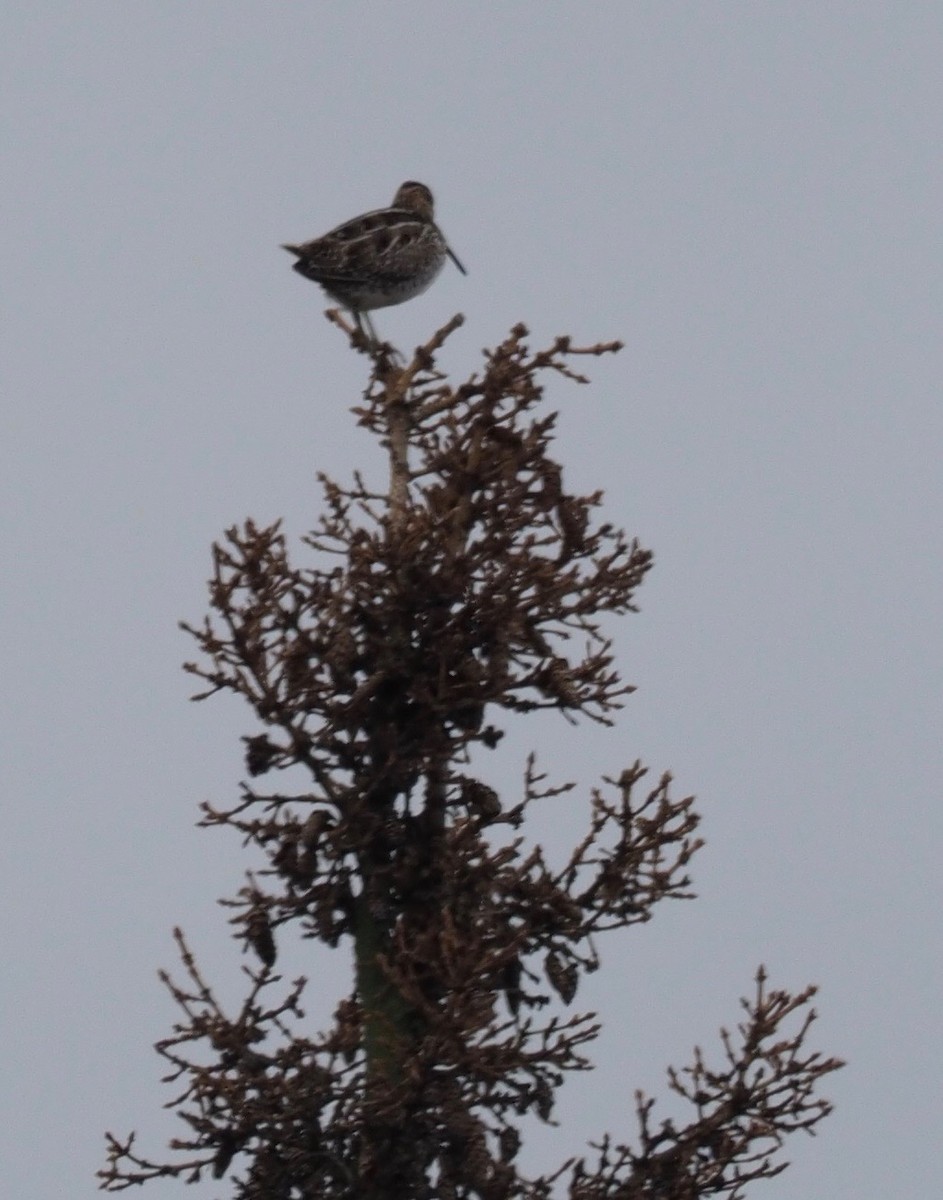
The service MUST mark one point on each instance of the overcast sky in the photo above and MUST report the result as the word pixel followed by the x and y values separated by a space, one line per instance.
pixel 749 195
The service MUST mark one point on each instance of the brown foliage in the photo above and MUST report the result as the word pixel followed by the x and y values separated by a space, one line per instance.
pixel 475 586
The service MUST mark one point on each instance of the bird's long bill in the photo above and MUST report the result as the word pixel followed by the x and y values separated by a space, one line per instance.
pixel 454 257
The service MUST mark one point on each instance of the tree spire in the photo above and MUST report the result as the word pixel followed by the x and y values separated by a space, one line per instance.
pixel 386 665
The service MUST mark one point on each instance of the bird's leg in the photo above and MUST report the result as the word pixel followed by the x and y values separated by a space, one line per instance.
pixel 367 329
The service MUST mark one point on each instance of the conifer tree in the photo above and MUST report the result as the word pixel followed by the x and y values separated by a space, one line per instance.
pixel 384 658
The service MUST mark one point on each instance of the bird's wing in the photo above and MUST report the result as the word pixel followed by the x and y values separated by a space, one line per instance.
pixel 363 247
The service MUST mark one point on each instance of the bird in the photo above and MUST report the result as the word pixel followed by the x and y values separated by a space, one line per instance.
pixel 380 258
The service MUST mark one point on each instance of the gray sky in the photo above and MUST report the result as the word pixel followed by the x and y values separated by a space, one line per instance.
pixel 749 195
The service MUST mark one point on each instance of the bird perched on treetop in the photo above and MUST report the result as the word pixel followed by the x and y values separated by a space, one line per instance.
pixel 380 258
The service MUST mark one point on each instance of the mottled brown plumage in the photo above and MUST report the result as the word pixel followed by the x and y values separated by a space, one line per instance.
pixel 378 259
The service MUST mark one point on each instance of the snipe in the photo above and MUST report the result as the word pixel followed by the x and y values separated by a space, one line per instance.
pixel 381 258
